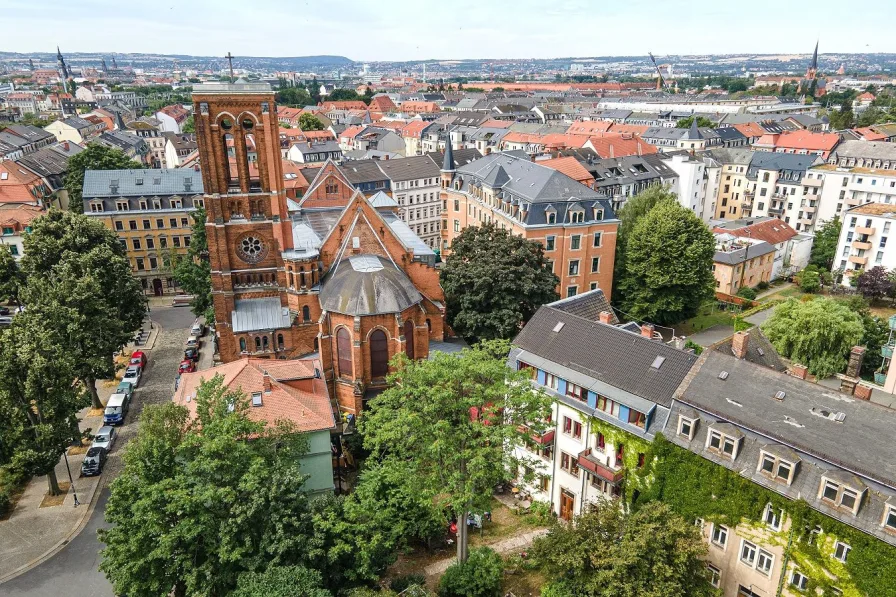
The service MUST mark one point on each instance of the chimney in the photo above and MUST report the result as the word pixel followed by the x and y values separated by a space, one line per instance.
pixel 647 330
pixel 739 344
pixel 863 392
pixel 605 317
pixel 266 382
pixel 612 152
pixel 799 371
pixel 856 356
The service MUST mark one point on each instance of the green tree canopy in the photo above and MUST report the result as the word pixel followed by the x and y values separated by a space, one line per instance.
pixel 450 424
pixel 281 581
pixel 629 214
pixel 494 282
pixel 95 157
pixel 668 270
pixel 609 552
pixel 294 96
pixel 193 271
pixel 824 247
pixel 817 333
pixel 189 125
pixel 11 278
pixel 75 265
pixel 702 122
pixel 202 502
pixel 343 95
pixel 310 122
pixel 842 118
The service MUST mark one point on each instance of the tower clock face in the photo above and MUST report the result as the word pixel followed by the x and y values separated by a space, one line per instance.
pixel 251 249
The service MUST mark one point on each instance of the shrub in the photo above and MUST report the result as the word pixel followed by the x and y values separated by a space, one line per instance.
pixel 401 583
pixel 747 293
pixel 4 502
pixel 762 286
pixel 479 576
pixel 690 344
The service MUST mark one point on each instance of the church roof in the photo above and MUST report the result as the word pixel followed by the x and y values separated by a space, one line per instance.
pixel 367 285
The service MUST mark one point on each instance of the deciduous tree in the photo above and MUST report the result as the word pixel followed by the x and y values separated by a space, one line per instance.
pixel 450 425
pixel 281 581
pixel 494 282
pixel 875 283
pixel 817 333
pixel 702 122
pixel 296 97
pixel 668 270
pixel 11 278
pixel 310 122
pixel 193 271
pixel 824 247
pixel 95 157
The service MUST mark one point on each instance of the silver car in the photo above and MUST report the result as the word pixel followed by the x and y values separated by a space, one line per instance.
pixel 133 374
pixel 104 438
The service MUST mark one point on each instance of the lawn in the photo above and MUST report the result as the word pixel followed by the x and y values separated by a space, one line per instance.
pixel 708 315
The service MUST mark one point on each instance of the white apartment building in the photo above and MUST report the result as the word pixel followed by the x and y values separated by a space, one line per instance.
pixel 776 188
pixel 691 184
pixel 415 186
pixel 842 188
pixel 865 239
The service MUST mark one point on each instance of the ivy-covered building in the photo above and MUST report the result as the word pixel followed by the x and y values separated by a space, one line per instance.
pixel 792 483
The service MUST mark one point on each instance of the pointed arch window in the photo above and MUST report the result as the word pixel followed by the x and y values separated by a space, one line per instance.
pixel 344 352
pixel 379 354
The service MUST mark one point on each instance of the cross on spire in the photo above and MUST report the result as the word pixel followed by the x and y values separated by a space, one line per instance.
pixel 230 61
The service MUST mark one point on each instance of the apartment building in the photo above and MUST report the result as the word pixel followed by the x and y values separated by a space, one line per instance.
pixel 864 239
pixel 731 200
pixel 619 179
pixel 575 224
pixel 792 249
pixel 842 188
pixel 150 211
pixel 776 188
pixel 740 262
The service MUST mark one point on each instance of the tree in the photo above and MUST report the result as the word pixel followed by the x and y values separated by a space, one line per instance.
pixel 189 125
pixel 844 118
pixel 343 95
pixel 202 502
pixel 450 424
pixel 310 122
pixel 293 96
pixel 479 576
pixel 809 279
pixel 610 552
pixel 702 122
pixel 668 270
pixel 75 265
pixel 193 271
pixel 498 90
pixel 824 247
pixel 875 283
pixel 817 333
pixel 95 157
pixel 11 278
pixel 281 581
pixel 494 282
pixel 877 333
pixel 629 215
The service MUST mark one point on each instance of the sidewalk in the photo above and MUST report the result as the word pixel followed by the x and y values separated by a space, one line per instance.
pixel 503 546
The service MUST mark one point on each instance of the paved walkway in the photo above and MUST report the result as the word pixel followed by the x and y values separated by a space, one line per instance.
pixel 774 290
pixel 713 334
pixel 503 546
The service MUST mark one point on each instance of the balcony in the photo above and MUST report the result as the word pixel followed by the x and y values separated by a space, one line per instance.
pixel 864 230
pixel 809 209
pixel 858 260
pixel 858 244
pixel 596 466
pixel 880 378
pixel 886 351
pixel 545 439
pixel 812 182
pixel 776 210
pixel 893 322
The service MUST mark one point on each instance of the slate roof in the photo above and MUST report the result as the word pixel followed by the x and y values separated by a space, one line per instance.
pixel 741 253
pixel 361 171
pixel 367 285
pixel 410 168
pixel 142 183
pixel 462 157
pixel 866 149
pixel 606 353
pixel 250 315
pixel 793 165
pixel 587 305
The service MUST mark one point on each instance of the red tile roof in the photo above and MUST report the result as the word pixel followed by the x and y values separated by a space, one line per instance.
pixel 772 231
pixel 750 129
pixel 571 167
pixel 588 127
pixel 383 103
pixel 496 124
pixel 18 185
pixel 418 107
pixel 804 139
pixel 17 216
pixel 618 145
pixel 346 105
pixel 178 113
pixel 414 128
pixel 869 134
pixel 352 131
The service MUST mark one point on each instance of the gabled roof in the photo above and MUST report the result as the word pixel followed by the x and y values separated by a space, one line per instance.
pixel 771 230
pixel 569 166
pixel 142 183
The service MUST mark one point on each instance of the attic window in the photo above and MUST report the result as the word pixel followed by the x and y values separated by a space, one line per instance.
pixel 139 181
pixel 559 326
pixel 256 398
pixel 723 375
pixel 779 395
pixel 658 362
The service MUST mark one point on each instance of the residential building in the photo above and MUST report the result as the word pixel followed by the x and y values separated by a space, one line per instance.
pixel 172 118
pixel 133 146
pixel 792 249
pixel 864 239
pixel 15 224
pixel 802 142
pixel 153 138
pixel 575 460
pixel 864 154
pixel 74 129
pixel 292 391
pixel 21 186
pixel 571 167
pixel 741 262
pixel 842 188
pixel 25 138
pixel 178 148
pixel 24 102
pixel 690 185
pixel 776 188
pixel 693 139
pixel 732 199
pixel 51 165
pixel 619 179
pixel 150 211
pixel 318 152
pixel 575 224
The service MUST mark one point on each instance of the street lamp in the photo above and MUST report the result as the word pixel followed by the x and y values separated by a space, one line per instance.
pixel 70 479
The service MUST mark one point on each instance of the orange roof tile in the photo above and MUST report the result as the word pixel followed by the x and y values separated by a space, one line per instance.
pixel 571 167
pixel 634 129
pixel 496 124
pixel 587 127
pixel 414 128
pixel 869 134
pixel 617 146
pixel 326 106
pixel 418 107
pixel 771 231
pixel 750 129
pixel 18 216
pixel 804 139
pixel 352 131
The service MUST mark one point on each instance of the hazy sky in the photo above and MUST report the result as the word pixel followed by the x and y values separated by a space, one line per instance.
pixel 424 29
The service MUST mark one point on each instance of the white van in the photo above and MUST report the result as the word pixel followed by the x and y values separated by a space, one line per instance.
pixel 198 329
pixel 116 408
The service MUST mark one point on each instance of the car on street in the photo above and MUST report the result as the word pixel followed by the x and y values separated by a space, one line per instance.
pixel 192 342
pixel 93 463
pixel 198 329
pixel 125 387
pixel 105 438
pixel 138 357
pixel 133 374
pixel 191 354
pixel 116 409
pixel 187 366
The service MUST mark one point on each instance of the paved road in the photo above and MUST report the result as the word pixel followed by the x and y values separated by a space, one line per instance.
pixel 73 571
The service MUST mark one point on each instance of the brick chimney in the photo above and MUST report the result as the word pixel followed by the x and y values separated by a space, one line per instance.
pixel 856 356
pixel 863 392
pixel 739 344
pixel 799 371
pixel 266 382
pixel 647 330
pixel 606 317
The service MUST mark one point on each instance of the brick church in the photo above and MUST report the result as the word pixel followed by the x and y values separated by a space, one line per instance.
pixel 336 273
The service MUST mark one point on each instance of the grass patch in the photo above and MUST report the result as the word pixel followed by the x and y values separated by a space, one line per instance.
pixel 523 583
pixel 75 450
pixel 708 315
pixel 50 501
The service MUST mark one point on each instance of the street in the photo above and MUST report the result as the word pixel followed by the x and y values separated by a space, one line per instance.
pixel 73 570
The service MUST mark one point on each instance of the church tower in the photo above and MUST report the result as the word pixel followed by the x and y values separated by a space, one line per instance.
pixel 248 225
pixel 812 71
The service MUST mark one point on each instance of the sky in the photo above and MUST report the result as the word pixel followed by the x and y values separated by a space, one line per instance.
pixel 424 29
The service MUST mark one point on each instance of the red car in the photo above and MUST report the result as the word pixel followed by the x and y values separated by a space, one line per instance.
pixel 138 357
pixel 187 366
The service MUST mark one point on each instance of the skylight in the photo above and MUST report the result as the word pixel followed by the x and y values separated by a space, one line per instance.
pixel 559 326
pixel 256 398
pixel 658 362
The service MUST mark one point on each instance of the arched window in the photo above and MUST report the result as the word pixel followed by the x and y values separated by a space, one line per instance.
pixel 257 344
pixel 264 342
pixel 428 326
pixel 409 338
pixel 242 345
pixel 280 341
pixel 292 281
pixel 344 352
pixel 379 354
pixel 306 313
pixel 316 344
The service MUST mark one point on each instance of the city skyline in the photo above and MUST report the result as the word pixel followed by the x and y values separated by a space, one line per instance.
pixel 461 30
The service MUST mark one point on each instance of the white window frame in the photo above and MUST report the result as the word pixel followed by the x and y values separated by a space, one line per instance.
pixel 798 580
pixel 841 491
pixel 775 474
pixel 723 439
pixel 723 532
pixel 766 556
pixel 776 516
pixel 753 550
pixel 682 421
pixel 845 548
pixel 714 576
pixel 889 509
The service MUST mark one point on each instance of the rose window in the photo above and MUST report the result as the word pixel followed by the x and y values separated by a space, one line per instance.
pixel 251 249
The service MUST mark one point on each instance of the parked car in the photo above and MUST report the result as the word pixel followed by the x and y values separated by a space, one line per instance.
pixel 191 354
pixel 192 342
pixel 125 387
pixel 198 329
pixel 133 374
pixel 94 462
pixel 116 409
pixel 138 357
pixel 104 438
pixel 187 366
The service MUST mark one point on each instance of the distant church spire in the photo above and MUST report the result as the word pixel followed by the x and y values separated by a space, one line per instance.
pixel 62 67
pixel 812 71
pixel 105 68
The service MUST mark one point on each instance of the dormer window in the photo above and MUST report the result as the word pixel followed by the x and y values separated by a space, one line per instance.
pixel 687 426
pixel 841 492
pixel 724 440
pixel 121 205
pixel 889 521
pixel 576 217
pixel 598 214
pixel 96 206
pixel 778 464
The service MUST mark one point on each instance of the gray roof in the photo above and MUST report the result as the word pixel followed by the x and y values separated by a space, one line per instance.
pixel 744 253
pixel 361 171
pixel 328 146
pixel 759 350
pixel 731 155
pixel 462 157
pixel 411 168
pixel 78 123
pixel 408 237
pixel 250 315
pixel 663 132
pixel 142 183
pixel 791 164
pixel 367 285
pixel 611 348
pixel 866 149
pixel 587 305
pixel 381 199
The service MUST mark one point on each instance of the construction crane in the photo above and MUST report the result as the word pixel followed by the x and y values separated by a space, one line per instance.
pixel 660 81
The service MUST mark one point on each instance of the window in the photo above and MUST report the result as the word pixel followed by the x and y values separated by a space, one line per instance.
pixel 379 354
pixel 140 266
pixel 573 428
pixel 457 205
pixel 722 444
pixel 890 518
pixel 574 391
pixel 136 242
pixel 571 291
pixel 119 225
pixel 841 551
pixel 551 381
pixel 163 242
pixel 575 242
pixel 552 217
pixel 121 205
pixel 150 243
pixel 306 313
pixel 598 239
pixel 457 225
pixel 569 464
pixel 840 496
pixel 772 517
pixel 160 223
pixel 748 553
pixel 344 352
pixel 799 580
pixel 13 250
pixel 573 267
pixel 242 345
pixel 549 243
pixel 577 217
pixel 719 536
pixel 176 240
pixel 132 224
pixel 686 427
pixel 764 562
pixel 776 468
pixel 714 576
pixel 146 225
pixel 595 265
